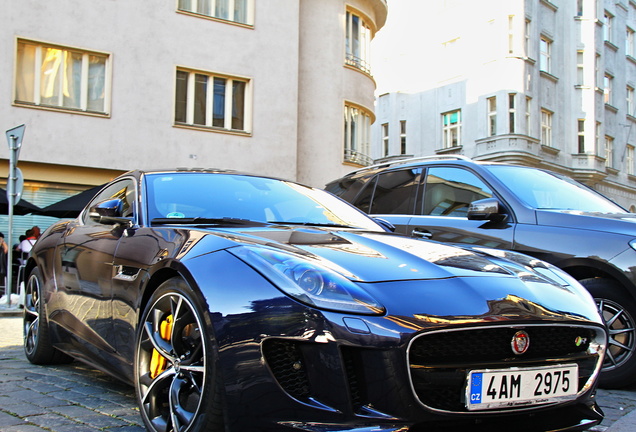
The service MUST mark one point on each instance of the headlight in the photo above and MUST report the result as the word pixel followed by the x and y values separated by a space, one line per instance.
pixel 309 282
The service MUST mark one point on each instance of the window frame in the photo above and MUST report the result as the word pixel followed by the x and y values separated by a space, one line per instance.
pixel 608 88
pixel 452 129
pixel 609 151
pixel 358 56
pixel 84 83
pixel 194 6
pixel 210 98
pixel 546 127
pixel 357 146
pixel 491 104
pixel 385 139
pixel 545 55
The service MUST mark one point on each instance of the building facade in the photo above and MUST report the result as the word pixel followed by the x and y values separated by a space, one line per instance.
pixel 545 83
pixel 250 85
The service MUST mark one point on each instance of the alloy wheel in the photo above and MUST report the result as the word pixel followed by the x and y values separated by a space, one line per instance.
pixel 31 314
pixel 621 333
pixel 171 364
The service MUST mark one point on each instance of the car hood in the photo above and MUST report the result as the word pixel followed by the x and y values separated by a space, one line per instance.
pixel 377 257
pixel 617 223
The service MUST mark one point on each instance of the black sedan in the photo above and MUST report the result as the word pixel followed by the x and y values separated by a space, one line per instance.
pixel 243 303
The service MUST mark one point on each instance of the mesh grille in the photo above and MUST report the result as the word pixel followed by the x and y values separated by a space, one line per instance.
pixel 441 361
pixel 285 360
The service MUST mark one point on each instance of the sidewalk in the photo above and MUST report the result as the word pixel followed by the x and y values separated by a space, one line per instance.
pixel 77 398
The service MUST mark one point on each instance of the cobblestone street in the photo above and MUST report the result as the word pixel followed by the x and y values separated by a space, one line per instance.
pixel 77 398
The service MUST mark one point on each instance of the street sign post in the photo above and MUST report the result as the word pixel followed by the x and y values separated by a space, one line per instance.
pixel 15 183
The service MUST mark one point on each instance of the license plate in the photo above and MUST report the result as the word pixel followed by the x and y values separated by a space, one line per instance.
pixel 500 388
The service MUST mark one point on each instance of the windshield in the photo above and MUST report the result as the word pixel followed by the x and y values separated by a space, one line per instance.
pixel 218 196
pixel 543 190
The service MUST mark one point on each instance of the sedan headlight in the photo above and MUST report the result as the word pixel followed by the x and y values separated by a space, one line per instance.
pixel 309 282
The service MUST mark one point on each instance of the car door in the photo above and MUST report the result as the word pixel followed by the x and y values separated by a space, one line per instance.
pixel 441 208
pixel 86 256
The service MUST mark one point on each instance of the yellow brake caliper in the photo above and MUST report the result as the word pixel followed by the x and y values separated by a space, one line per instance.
pixel 158 362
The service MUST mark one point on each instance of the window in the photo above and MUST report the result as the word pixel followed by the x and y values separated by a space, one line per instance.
pixel 357 124
pixel 580 68
pixel 395 192
pixel 385 139
pixel 403 137
pixel 609 151
pixel 528 116
pixel 630 100
pixel 597 70
pixel 545 54
pixel 492 116
pixel 211 101
pixel 607 28
pixel 451 129
pixel 526 36
pixel 449 191
pixel 239 11
pixel 546 128
pixel 358 40
pixel 629 159
pixel 608 82
pixel 629 43
pixel 66 78
pixel 597 137
pixel 581 135
pixel 579 8
pixel 511 113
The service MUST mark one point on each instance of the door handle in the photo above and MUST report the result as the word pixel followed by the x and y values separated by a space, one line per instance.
pixel 422 233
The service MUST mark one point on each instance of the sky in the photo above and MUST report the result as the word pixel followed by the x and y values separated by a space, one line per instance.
pixel 397 59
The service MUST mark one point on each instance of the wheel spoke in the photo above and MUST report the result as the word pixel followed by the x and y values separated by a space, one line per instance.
pixel 621 330
pixel 180 414
pixel 172 364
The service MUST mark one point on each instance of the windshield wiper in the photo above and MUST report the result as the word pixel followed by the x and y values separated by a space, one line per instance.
pixel 204 221
pixel 316 224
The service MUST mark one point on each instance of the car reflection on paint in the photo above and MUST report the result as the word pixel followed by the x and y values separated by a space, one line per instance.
pixel 244 303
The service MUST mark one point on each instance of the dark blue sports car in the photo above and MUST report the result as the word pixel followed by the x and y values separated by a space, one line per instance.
pixel 234 302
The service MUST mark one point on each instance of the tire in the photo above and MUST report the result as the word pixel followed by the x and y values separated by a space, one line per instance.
pixel 37 343
pixel 177 381
pixel 619 314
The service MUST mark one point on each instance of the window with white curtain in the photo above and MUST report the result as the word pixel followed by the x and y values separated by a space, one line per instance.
pixel 357 132
pixel 60 77
pixel 240 11
pixel 209 100
pixel 358 42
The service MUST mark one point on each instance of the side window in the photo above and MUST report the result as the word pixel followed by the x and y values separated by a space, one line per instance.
pixel 395 192
pixel 124 189
pixel 363 200
pixel 449 191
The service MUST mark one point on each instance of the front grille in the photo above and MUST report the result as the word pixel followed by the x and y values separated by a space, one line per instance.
pixel 286 363
pixel 440 361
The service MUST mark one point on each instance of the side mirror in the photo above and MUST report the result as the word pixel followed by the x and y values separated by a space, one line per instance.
pixel 388 226
pixel 486 210
pixel 109 212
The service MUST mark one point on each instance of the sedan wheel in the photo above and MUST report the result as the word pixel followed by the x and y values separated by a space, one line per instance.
pixel 37 345
pixel 619 314
pixel 176 380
